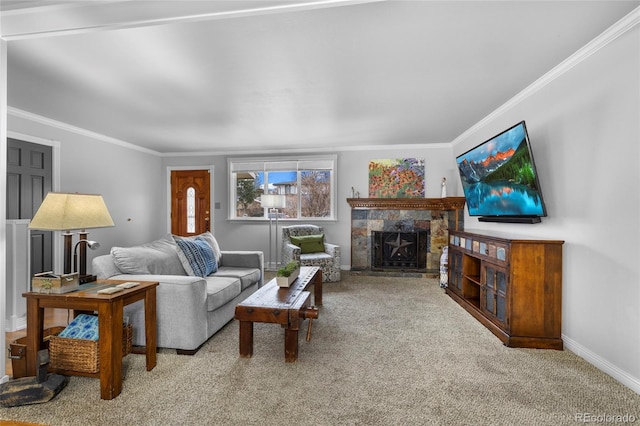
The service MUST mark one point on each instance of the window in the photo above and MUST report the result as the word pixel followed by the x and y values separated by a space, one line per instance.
pixel 191 210
pixel 307 184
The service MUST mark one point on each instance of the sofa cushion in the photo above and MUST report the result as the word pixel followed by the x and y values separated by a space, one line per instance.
pixel 247 276
pixel 316 259
pixel 221 290
pixel 196 256
pixel 158 257
pixel 309 243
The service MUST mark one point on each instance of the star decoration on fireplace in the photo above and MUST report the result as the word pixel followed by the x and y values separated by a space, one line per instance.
pixel 399 246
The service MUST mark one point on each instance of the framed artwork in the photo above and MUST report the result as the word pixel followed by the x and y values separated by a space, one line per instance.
pixel 396 178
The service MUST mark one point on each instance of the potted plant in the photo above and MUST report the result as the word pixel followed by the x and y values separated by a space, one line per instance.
pixel 287 274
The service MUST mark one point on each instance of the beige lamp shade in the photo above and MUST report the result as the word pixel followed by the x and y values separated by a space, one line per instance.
pixel 64 212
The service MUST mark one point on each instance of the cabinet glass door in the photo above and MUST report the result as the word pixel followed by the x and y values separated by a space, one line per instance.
pixel 455 270
pixel 495 302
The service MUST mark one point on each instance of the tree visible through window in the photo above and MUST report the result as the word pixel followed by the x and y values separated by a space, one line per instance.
pixel 247 196
pixel 315 190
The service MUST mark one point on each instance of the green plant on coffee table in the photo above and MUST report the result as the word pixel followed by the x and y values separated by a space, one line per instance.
pixel 287 269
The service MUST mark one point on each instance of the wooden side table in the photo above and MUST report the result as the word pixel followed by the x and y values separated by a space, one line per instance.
pixel 110 309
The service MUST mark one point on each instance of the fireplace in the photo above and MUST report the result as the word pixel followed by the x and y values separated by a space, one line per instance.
pixel 378 221
pixel 403 251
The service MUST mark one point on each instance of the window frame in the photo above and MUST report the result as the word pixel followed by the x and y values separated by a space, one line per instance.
pixel 267 164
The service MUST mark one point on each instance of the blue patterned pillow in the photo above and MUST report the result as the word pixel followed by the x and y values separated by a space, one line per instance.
pixel 82 327
pixel 197 257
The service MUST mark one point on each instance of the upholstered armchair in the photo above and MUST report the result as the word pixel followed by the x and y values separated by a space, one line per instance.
pixel 312 250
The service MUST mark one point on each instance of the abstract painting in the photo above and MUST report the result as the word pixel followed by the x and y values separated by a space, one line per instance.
pixel 396 178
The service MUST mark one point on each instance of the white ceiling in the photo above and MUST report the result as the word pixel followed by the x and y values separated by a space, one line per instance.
pixel 259 76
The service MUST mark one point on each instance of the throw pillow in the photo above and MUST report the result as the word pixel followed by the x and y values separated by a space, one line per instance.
pixel 158 257
pixel 309 243
pixel 197 257
pixel 208 237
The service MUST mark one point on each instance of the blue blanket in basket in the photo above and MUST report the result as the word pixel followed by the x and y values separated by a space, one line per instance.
pixel 82 327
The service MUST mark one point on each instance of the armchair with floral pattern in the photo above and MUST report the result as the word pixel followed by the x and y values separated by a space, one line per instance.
pixel 316 253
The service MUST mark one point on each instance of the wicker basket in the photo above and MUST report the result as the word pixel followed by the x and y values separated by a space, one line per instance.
pixel 82 355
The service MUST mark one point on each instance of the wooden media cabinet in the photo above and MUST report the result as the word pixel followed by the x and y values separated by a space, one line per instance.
pixel 512 286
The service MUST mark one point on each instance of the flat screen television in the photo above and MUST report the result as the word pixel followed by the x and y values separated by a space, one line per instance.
pixel 500 180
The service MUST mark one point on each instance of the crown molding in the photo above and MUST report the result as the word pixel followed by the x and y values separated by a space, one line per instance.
pixel 77 130
pixel 16 32
pixel 311 150
pixel 612 33
pixel 98 136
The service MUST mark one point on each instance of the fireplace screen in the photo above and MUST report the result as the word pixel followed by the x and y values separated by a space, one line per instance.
pixel 399 250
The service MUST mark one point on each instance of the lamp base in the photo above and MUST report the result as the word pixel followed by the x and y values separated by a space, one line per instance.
pixel 87 279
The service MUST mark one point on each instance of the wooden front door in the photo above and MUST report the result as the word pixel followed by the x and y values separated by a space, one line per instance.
pixel 190 202
pixel 29 179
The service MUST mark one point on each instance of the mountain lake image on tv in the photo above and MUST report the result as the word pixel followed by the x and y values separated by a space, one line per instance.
pixel 499 179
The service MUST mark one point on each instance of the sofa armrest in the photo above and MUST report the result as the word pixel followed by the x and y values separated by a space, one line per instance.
pixel 242 259
pixel 332 249
pixel 181 303
pixel 290 252
pixel 104 267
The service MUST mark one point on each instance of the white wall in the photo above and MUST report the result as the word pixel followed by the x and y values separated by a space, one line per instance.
pixel 585 136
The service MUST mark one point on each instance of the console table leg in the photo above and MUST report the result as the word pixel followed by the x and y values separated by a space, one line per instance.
pixel 246 339
pixel 150 328
pixel 110 332
pixel 317 288
pixel 290 345
pixel 35 326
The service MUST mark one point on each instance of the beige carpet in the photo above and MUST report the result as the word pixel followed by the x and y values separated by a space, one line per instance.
pixel 385 351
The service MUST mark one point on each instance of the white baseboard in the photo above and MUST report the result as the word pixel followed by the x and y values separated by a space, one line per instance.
pixel 602 364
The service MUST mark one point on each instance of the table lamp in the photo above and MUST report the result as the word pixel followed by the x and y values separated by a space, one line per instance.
pixel 67 212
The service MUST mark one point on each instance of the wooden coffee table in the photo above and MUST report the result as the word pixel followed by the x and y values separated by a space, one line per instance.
pixel 287 306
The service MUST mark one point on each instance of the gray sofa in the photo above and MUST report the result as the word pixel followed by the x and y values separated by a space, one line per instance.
pixel 189 308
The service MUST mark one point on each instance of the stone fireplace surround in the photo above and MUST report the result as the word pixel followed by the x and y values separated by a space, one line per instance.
pixel 434 215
